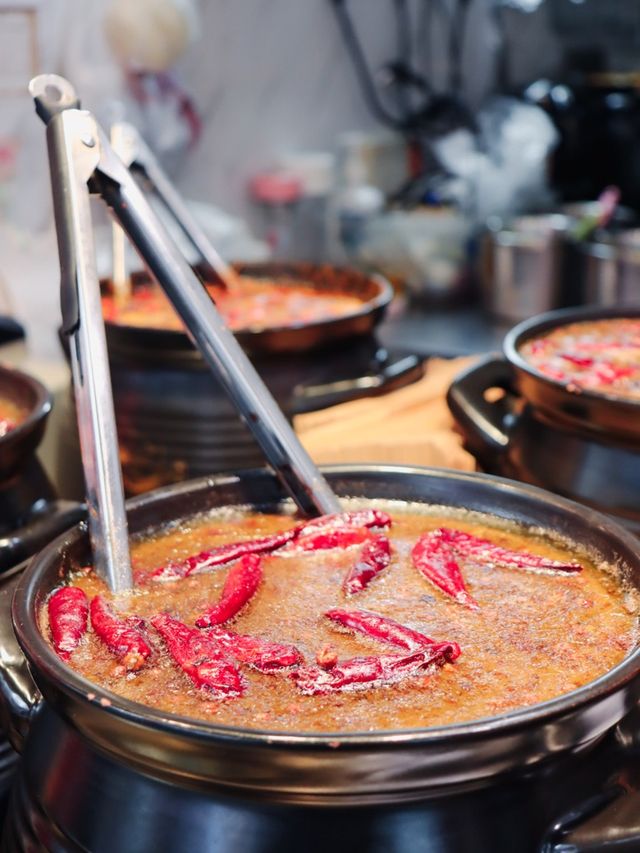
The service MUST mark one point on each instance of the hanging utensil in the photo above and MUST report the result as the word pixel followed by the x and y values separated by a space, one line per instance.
pixel 72 133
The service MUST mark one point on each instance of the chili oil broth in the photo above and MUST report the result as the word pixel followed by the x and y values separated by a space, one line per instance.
pixel 259 304
pixel 535 636
pixel 11 415
pixel 614 342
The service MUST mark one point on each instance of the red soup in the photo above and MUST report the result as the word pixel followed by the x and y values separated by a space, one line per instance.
pixel 385 617
pixel 258 304
pixel 594 355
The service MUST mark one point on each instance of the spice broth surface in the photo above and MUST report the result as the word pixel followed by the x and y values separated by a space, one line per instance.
pixel 11 415
pixel 596 355
pixel 258 304
pixel 533 638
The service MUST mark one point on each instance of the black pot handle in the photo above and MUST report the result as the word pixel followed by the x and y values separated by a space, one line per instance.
pixel 484 424
pixel 608 821
pixel 388 373
pixel 20 699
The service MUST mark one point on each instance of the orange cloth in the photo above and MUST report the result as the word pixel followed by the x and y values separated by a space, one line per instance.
pixel 410 426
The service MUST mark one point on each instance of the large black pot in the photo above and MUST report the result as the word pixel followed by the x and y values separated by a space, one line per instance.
pixel 102 773
pixel 175 420
pixel 579 444
pixel 30 515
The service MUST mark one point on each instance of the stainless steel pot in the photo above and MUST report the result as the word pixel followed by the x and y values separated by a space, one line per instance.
pixel 611 270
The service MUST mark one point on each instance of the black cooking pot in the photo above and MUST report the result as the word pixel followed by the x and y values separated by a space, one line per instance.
pixel 30 515
pixel 32 397
pixel 103 773
pixel 175 420
pixel 580 444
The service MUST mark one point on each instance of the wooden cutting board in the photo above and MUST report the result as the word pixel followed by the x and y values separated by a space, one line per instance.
pixel 410 426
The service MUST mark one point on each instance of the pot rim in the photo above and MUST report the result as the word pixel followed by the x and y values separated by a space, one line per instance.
pixel 542 323
pixel 380 301
pixel 43 658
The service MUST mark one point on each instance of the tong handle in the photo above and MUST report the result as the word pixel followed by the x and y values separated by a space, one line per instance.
pixel 138 156
pixel 74 154
pixel 219 348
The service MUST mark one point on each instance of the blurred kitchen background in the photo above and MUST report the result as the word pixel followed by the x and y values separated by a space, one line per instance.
pixel 483 154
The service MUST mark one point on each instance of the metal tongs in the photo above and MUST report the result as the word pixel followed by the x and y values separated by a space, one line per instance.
pixel 82 161
pixel 141 161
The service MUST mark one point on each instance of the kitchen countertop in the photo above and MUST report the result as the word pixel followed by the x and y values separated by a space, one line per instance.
pixel 445 331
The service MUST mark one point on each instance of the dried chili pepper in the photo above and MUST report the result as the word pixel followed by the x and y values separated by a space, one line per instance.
pixel 362 672
pixel 434 557
pixel 607 373
pixel 122 635
pixel 199 657
pixel 346 521
pixel 379 628
pixel 339 530
pixel 261 654
pixel 329 539
pixel 220 555
pixel 374 558
pixel 485 551
pixel 240 585
pixel 578 361
pixel 68 609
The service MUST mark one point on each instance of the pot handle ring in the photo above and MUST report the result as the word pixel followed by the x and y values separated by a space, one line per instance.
pixel 484 424
pixel 20 699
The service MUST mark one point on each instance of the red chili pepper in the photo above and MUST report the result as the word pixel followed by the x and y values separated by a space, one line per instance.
pixel 328 531
pixel 346 520
pixel 199 657
pixel 578 361
pixel 261 654
pixel 485 551
pixel 358 673
pixel 68 615
pixel 207 560
pixel 374 558
pixel 121 635
pixel 329 539
pixel 607 373
pixel 240 585
pixel 379 628
pixel 434 557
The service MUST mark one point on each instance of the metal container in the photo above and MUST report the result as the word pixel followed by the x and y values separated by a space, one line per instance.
pixel 103 773
pixel 611 270
pixel 522 265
